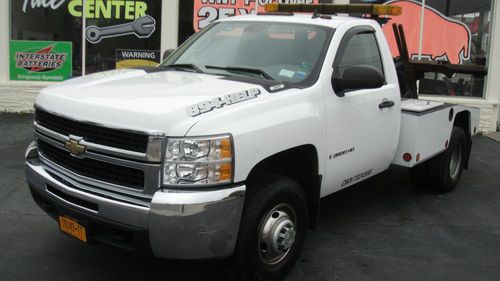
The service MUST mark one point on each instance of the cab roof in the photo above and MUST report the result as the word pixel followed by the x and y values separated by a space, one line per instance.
pixel 302 18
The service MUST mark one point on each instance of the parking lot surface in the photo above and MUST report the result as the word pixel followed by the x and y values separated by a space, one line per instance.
pixel 382 229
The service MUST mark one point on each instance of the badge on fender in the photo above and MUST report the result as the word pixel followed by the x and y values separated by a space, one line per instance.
pixel 218 102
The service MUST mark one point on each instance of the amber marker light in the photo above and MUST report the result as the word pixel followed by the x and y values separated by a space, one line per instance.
pixel 387 10
pixel 225 172
pixel 225 148
pixel 271 8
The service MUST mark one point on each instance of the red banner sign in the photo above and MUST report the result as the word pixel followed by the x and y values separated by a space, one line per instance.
pixel 207 11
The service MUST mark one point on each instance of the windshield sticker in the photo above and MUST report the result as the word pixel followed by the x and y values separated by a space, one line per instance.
pixel 300 75
pixel 219 102
pixel 287 73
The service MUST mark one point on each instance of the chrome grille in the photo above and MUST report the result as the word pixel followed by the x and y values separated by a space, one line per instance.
pixel 91 168
pixel 104 168
pixel 92 133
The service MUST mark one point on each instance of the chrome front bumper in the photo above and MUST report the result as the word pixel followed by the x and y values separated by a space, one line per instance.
pixel 180 224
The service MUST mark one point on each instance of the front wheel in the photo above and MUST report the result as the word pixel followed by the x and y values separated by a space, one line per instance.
pixel 272 230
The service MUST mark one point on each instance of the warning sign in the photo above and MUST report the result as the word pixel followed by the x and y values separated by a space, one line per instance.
pixel 135 58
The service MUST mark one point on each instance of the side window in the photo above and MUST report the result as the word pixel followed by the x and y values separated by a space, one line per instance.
pixel 362 49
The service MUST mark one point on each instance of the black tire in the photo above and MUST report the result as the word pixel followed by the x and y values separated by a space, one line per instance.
pixel 268 202
pixel 443 172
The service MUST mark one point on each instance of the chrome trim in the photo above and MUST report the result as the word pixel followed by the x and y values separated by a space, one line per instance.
pixel 96 156
pixel 203 224
pixel 69 203
pixel 131 214
pixel 148 188
pixel 153 149
pixel 85 186
pixel 82 182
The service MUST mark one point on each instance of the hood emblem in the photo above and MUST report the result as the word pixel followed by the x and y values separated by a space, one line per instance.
pixel 218 102
pixel 74 146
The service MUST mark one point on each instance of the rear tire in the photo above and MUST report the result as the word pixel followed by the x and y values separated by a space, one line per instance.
pixel 272 230
pixel 443 172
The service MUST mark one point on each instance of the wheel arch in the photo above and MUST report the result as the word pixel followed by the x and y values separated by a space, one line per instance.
pixel 299 163
pixel 463 120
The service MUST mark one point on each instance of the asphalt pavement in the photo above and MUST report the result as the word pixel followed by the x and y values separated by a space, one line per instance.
pixel 382 229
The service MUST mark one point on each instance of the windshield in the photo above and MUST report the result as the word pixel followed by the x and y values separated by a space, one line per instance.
pixel 283 52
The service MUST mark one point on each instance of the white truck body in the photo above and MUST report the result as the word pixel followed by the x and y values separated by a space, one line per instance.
pixel 354 139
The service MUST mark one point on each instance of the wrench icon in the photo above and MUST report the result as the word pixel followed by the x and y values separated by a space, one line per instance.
pixel 142 27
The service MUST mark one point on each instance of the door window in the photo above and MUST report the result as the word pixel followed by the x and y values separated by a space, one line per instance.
pixel 361 49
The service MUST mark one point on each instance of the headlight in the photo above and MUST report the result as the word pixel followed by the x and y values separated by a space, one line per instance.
pixel 198 161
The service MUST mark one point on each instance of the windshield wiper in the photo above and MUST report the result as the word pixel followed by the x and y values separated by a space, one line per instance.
pixel 185 65
pixel 242 69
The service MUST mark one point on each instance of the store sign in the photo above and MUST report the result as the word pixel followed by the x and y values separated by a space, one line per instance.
pixel 207 11
pixel 136 58
pixel 444 39
pixel 40 60
pixel 94 9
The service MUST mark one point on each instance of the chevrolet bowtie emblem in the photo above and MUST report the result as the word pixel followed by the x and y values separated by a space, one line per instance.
pixel 74 147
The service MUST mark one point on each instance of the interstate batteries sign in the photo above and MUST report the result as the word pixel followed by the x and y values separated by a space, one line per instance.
pixel 40 60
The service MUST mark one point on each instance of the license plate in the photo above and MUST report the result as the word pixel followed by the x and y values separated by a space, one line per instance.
pixel 71 227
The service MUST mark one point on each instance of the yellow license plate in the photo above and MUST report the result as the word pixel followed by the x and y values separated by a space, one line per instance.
pixel 71 227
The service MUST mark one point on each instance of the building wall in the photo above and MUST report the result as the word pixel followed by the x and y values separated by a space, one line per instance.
pixel 19 96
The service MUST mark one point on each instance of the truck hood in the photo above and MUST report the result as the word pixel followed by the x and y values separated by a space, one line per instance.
pixel 138 100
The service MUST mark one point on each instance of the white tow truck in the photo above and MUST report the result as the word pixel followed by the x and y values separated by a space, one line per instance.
pixel 225 149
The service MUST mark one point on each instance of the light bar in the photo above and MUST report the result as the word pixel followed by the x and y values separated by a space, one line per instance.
pixel 375 10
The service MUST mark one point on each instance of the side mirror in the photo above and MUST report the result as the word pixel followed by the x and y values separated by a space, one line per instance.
pixel 357 78
pixel 167 53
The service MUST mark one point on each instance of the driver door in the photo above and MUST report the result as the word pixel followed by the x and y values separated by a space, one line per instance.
pixel 362 125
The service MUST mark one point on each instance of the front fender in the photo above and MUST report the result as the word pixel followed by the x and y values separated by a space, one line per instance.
pixel 269 125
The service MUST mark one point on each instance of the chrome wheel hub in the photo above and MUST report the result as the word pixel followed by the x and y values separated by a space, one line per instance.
pixel 277 234
pixel 456 161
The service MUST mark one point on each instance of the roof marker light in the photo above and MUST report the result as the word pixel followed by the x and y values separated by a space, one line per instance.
pixel 374 10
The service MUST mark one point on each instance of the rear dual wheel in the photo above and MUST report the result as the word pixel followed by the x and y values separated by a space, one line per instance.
pixel 443 172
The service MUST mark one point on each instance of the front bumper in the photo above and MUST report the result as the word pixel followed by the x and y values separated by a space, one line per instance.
pixel 176 225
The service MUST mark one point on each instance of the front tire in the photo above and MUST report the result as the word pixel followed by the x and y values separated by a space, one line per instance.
pixel 272 230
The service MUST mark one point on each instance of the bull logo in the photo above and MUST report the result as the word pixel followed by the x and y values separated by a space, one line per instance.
pixel 444 39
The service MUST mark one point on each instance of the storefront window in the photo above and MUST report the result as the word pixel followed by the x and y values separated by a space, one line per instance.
pixel 127 35
pixel 52 23
pixel 454 31
pixel 46 37
pixel 196 14
pixel 469 46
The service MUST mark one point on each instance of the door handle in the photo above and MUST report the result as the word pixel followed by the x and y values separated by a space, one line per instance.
pixel 386 104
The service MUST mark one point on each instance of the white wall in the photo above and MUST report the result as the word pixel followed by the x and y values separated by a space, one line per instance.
pixel 493 83
pixel 4 40
pixel 170 25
